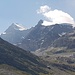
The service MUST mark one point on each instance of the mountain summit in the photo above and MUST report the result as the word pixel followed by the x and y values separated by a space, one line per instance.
pixel 15 33
pixel 15 26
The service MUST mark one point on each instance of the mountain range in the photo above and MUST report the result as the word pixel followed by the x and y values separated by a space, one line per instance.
pixel 54 46
pixel 41 37
pixel 35 38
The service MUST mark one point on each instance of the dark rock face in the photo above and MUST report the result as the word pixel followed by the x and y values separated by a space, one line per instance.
pixel 67 41
pixel 42 36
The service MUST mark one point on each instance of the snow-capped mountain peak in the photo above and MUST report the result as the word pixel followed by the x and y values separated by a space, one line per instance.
pixel 15 33
pixel 16 26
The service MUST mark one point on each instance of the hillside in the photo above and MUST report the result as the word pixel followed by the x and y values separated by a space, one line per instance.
pixel 62 50
pixel 20 59
pixel 16 61
pixel 64 44
pixel 9 70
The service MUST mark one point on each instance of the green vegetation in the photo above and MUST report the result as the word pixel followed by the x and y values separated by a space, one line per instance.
pixel 9 70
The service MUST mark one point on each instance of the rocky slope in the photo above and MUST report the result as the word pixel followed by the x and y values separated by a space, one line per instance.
pixel 15 33
pixel 41 37
pixel 38 37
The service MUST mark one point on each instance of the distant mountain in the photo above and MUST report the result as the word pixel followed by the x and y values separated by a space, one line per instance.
pixel 15 33
pixel 36 38
pixel 67 41
pixel 41 37
pixel 62 48
pixel 20 59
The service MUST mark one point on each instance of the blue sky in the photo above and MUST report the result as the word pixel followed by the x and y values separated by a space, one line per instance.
pixel 24 11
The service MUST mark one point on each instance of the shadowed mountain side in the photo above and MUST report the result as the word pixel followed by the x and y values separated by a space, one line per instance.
pixel 21 59
pixel 41 37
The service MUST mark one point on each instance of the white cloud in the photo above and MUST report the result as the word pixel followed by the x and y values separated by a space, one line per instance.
pixel 54 16
pixel 43 9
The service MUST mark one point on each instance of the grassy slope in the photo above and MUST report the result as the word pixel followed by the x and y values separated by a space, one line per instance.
pixel 9 70
pixel 21 59
pixel 15 61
